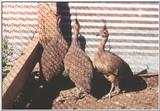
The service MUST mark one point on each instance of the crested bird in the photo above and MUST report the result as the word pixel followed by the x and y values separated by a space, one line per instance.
pixel 78 65
pixel 113 67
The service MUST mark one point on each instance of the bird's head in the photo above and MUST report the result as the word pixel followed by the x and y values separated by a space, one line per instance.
pixel 76 25
pixel 103 32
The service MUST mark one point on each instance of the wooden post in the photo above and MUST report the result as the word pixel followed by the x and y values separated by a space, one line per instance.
pixel 16 78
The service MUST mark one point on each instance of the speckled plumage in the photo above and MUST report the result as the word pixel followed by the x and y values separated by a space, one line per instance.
pixel 78 66
pixel 109 64
pixel 53 55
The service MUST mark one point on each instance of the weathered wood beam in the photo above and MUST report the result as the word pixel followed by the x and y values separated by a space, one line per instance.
pixel 16 78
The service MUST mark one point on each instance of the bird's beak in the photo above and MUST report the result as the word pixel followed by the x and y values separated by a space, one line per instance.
pixel 97 34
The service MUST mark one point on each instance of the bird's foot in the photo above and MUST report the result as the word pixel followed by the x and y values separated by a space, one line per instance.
pixel 81 95
pixel 117 90
pixel 107 96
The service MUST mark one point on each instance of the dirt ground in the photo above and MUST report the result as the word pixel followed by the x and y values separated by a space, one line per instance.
pixel 60 93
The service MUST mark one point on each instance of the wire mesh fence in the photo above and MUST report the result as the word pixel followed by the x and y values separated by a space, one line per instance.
pixel 19 24
pixel 133 36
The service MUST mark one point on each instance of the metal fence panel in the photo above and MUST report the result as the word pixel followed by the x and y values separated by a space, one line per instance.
pixel 133 28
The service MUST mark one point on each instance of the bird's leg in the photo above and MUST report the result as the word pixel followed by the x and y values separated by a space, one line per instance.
pixel 117 89
pixel 114 80
pixel 110 92
pixel 80 93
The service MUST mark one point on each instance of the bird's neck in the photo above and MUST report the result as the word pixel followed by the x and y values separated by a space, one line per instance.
pixel 75 38
pixel 102 44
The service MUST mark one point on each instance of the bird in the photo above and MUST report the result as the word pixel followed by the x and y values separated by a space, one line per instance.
pixel 54 53
pixel 78 65
pixel 113 67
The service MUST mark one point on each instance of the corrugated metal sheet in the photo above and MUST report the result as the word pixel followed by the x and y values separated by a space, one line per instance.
pixel 19 22
pixel 133 27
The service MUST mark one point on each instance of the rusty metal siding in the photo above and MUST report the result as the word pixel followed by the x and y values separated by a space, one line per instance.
pixel 19 21
pixel 133 29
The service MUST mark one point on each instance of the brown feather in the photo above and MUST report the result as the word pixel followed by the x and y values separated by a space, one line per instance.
pixel 78 65
pixel 53 54
pixel 107 62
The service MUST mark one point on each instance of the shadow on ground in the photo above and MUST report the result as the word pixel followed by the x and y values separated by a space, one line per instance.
pixel 38 94
pixel 101 86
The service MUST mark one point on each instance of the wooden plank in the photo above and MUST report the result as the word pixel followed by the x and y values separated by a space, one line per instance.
pixel 20 72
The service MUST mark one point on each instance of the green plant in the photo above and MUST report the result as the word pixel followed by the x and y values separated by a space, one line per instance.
pixel 4 51
pixel 7 50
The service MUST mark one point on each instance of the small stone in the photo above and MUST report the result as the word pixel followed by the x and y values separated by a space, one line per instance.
pixel 41 86
pixel 128 95
pixel 117 102
pixel 36 77
pixel 27 105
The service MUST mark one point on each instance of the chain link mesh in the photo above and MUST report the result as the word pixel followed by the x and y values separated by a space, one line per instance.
pixel 23 85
